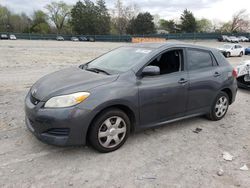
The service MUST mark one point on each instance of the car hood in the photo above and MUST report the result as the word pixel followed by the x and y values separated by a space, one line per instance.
pixel 223 49
pixel 68 81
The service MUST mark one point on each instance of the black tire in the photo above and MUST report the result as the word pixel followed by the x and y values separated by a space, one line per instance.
pixel 213 115
pixel 241 54
pixel 99 122
pixel 228 54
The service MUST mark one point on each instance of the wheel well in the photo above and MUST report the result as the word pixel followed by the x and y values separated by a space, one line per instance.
pixel 125 109
pixel 229 93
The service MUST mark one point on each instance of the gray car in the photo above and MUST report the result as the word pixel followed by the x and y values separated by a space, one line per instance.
pixel 127 90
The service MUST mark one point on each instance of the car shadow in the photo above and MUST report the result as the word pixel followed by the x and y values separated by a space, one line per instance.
pixel 137 138
pixel 244 90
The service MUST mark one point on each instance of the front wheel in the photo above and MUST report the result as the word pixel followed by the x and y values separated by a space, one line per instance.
pixel 109 130
pixel 228 54
pixel 219 107
pixel 241 54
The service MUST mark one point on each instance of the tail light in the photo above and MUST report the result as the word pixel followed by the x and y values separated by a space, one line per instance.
pixel 235 73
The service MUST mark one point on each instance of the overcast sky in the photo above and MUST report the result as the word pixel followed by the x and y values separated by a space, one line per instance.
pixel 219 10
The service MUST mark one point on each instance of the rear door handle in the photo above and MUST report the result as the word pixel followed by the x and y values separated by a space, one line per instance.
pixel 182 81
pixel 216 74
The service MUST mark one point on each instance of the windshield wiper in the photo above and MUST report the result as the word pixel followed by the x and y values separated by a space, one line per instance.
pixel 96 70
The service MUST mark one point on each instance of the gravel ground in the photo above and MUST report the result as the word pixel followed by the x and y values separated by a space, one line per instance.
pixel 170 156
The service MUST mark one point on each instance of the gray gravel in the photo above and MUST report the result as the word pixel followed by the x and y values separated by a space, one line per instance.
pixel 170 156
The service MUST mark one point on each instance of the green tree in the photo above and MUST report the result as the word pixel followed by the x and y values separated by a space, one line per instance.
pixel 4 18
pixel 168 25
pixel 10 22
pixel 103 18
pixel 58 13
pixel 204 25
pixel 226 27
pixel 40 23
pixel 88 18
pixel 188 22
pixel 142 24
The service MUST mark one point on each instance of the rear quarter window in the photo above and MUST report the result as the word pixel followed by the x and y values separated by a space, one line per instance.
pixel 199 59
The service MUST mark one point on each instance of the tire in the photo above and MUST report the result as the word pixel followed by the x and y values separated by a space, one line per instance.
pixel 109 131
pixel 241 54
pixel 219 107
pixel 228 54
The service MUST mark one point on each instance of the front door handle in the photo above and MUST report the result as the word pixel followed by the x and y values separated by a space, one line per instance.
pixel 182 81
pixel 216 74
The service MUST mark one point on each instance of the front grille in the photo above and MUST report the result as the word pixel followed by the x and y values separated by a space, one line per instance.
pixel 58 132
pixel 34 100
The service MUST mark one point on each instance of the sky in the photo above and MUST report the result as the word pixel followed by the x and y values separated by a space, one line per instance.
pixel 216 10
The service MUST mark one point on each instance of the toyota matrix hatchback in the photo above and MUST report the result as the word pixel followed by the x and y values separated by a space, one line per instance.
pixel 129 89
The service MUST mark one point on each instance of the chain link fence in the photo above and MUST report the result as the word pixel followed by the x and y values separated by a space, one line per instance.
pixel 127 38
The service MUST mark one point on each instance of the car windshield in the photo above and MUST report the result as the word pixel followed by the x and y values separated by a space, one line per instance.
pixel 119 60
pixel 227 46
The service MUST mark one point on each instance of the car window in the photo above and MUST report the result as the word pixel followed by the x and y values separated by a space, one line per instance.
pixel 198 59
pixel 120 60
pixel 226 46
pixel 169 62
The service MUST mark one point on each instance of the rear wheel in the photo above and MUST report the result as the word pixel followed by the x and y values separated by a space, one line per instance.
pixel 109 130
pixel 241 54
pixel 219 107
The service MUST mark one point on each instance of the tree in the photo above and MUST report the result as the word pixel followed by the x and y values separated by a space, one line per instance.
pixel 40 23
pixel 103 18
pixel 120 21
pixel 226 27
pixel 142 24
pixel 168 25
pixel 121 16
pixel 10 22
pixel 4 18
pixel 58 13
pixel 88 18
pixel 240 22
pixel 204 25
pixel 157 21
pixel 188 22
pixel 83 17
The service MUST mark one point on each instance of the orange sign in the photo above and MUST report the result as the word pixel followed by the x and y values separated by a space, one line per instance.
pixel 147 39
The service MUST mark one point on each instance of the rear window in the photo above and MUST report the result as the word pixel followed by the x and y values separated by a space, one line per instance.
pixel 199 59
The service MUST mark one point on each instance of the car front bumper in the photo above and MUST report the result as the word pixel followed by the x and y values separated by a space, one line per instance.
pixel 247 52
pixel 242 83
pixel 61 127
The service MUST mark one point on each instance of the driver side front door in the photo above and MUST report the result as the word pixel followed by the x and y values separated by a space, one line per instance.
pixel 163 97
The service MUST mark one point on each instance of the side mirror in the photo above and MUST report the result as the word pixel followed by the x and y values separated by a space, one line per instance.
pixel 151 71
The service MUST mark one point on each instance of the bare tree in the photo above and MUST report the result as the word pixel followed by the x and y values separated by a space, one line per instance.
pixel 58 13
pixel 121 15
pixel 240 22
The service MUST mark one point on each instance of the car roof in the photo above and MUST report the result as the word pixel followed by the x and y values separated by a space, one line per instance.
pixel 168 45
pixel 229 44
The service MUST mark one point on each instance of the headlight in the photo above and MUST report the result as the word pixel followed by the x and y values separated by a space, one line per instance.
pixel 66 100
